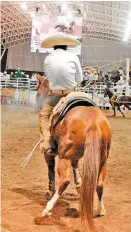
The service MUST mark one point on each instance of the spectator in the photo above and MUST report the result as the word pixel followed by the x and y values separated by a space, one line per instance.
pixel 33 77
pixel 109 75
pixel 117 77
pixel 85 77
pixel 89 75
pixel 4 73
pixel 11 75
pixel 107 81
pixel 95 76
pixel 120 71
pixel 18 73
pixel 101 76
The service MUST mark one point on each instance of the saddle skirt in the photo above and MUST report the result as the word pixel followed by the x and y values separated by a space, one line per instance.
pixel 72 100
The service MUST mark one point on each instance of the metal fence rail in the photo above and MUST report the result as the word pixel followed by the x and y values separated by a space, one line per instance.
pixel 25 91
pixel 19 83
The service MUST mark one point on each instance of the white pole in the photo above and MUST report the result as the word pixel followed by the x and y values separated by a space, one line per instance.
pixel 2 54
pixel 127 76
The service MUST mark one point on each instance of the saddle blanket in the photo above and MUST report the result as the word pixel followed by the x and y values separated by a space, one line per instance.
pixel 71 100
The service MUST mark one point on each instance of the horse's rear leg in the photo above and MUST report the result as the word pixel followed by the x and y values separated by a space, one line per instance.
pixel 50 160
pixel 64 174
pixel 114 112
pixel 121 111
pixel 99 189
pixel 77 176
pixel 114 109
pixel 128 107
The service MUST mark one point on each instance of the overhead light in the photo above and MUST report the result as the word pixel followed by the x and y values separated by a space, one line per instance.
pixel 64 6
pixel 44 6
pixel 23 6
pixel 128 28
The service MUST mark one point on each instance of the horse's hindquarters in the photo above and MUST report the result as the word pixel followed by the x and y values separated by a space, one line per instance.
pixel 73 130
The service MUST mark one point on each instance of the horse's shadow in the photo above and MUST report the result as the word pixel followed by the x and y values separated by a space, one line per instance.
pixel 61 210
pixel 40 197
pixel 37 196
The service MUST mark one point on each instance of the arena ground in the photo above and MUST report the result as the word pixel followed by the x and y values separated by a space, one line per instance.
pixel 23 190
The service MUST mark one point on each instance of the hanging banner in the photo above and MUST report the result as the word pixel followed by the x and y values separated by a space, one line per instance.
pixel 8 93
pixel 45 25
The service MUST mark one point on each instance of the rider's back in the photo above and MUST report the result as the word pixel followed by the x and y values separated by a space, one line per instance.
pixel 62 68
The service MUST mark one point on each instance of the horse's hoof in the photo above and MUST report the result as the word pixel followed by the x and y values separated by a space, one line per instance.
pixel 101 209
pixel 101 214
pixel 46 214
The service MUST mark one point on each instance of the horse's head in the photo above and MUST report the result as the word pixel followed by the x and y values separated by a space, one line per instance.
pixel 43 87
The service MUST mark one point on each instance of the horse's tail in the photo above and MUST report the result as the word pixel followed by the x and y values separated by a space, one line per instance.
pixel 90 174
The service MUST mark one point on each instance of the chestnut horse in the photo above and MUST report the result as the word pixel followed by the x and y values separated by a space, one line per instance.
pixel 83 132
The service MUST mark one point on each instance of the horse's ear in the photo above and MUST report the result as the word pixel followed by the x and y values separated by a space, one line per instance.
pixel 39 77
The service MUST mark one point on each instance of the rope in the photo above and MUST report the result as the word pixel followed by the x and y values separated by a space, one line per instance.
pixel 87 85
pixel 121 101
pixel 82 88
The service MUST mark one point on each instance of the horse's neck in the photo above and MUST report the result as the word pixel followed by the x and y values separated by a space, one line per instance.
pixel 44 88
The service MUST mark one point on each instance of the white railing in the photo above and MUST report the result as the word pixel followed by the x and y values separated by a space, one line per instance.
pixel 96 92
pixel 26 83
pixel 18 83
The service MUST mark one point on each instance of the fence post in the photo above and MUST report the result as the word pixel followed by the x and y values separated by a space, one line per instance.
pixel 17 84
pixel 29 91
pixel 5 82
pixel 100 89
pixel 29 84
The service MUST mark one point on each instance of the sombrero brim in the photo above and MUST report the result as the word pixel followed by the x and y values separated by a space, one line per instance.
pixel 59 39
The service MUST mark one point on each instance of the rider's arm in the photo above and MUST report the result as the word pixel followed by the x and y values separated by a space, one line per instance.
pixel 79 75
pixel 46 66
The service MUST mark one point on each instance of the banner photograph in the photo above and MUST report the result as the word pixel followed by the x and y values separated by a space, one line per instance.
pixel 45 25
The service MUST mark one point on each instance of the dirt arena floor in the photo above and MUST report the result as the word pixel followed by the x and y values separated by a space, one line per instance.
pixel 23 190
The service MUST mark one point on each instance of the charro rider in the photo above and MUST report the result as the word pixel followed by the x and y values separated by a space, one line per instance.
pixel 64 73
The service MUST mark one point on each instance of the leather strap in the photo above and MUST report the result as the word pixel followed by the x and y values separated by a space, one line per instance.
pixel 62 92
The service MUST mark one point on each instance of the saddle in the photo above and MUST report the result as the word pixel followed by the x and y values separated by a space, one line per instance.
pixel 72 100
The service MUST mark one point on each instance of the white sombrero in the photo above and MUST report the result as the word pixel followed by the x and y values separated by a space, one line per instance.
pixel 59 39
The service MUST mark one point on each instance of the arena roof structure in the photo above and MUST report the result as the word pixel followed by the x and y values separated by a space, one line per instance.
pixel 107 20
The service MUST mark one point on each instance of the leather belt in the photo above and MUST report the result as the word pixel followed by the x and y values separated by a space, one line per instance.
pixel 62 92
